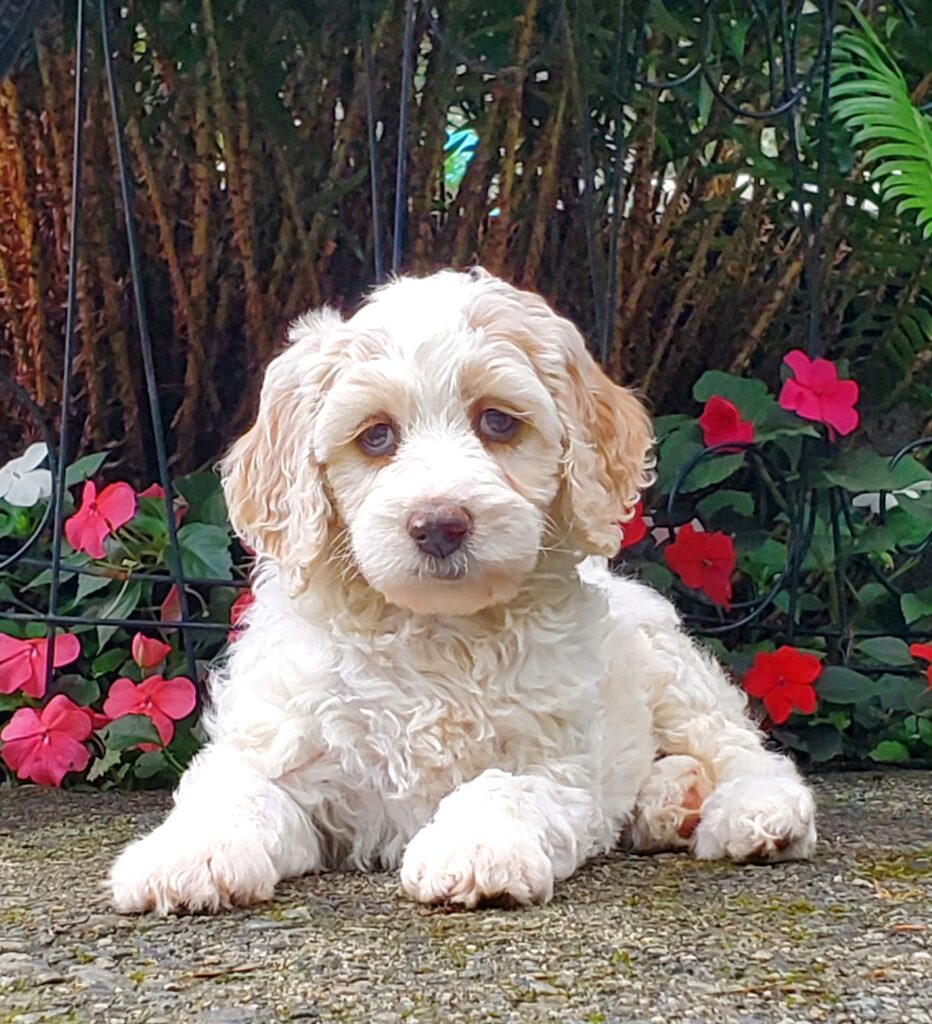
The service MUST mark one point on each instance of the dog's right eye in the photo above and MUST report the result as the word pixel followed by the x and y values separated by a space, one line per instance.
pixel 379 439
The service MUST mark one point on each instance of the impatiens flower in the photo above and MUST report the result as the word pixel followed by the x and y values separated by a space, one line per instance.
pixel 22 483
pixel 635 529
pixel 148 653
pixel 923 651
pixel 783 681
pixel 815 393
pixel 23 662
pixel 45 745
pixel 98 516
pixel 163 701
pixel 721 422
pixel 170 608
pixel 703 561
pixel 156 491
pixel 237 611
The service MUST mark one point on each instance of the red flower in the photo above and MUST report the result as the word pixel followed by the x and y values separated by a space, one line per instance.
pixel 156 491
pixel 721 422
pixel 23 662
pixel 817 394
pixel 45 745
pixel 635 529
pixel 923 651
pixel 98 516
pixel 170 608
pixel 163 701
pixel 148 653
pixel 703 561
pixel 783 681
pixel 237 611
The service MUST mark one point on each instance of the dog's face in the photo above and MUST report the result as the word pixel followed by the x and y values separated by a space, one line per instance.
pixel 435 444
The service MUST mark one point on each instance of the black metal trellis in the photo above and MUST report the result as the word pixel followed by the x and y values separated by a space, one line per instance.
pixel 792 83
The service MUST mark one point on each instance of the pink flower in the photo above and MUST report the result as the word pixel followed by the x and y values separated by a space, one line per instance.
pixel 635 529
pixel 170 608
pixel 783 681
pixel 98 516
pixel 237 611
pixel 703 561
pixel 163 701
pixel 23 662
pixel 148 653
pixel 721 422
pixel 156 491
pixel 45 745
pixel 817 394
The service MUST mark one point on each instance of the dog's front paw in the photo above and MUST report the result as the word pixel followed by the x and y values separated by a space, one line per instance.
pixel 496 862
pixel 757 819
pixel 176 869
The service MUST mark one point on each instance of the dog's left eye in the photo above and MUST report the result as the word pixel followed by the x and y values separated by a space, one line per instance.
pixel 379 439
pixel 495 425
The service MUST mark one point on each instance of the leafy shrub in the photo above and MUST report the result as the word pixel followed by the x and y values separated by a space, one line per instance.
pixel 801 556
pixel 120 709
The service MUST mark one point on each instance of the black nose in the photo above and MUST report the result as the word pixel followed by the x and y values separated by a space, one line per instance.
pixel 440 530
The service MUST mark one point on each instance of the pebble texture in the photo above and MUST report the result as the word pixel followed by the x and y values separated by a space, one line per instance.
pixel 629 940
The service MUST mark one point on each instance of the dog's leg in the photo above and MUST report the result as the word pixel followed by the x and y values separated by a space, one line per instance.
pixel 231 836
pixel 759 808
pixel 500 837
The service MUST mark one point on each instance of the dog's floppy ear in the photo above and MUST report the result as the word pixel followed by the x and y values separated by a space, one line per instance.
pixel 606 429
pixel 274 488
pixel 608 447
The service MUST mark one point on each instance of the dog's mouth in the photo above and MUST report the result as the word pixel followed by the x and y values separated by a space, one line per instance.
pixel 452 568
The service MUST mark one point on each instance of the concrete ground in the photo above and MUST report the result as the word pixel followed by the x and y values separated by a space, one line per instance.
pixel 844 938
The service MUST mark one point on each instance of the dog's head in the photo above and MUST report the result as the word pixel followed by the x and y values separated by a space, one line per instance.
pixel 436 443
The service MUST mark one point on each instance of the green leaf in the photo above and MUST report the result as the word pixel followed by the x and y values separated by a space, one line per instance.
pixel 823 742
pixel 84 468
pixel 925 731
pixel 101 765
pixel 83 692
pixel 88 584
pixel 916 606
pixel 738 502
pixel 844 685
pixel 12 701
pixel 859 471
pixel 150 763
pixel 887 650
pixel 750 396
pixel 889 752
pixel 121 607
pixel 129 731
pixel 108 661
pixel 658 576
pixel 904 693
pixel 205 551
pixel 202 494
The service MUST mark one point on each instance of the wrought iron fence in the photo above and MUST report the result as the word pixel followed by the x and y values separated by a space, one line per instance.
pixel 795 78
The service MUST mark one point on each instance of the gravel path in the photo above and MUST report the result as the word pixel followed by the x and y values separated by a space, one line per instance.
pixel 666 940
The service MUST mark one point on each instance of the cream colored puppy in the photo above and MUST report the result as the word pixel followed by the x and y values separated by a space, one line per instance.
pixel 433 675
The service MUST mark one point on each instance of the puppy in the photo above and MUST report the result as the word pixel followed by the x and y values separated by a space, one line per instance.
pixel 435 674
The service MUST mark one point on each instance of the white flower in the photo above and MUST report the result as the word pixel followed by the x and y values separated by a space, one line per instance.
pixel 871 500
pixel 22 483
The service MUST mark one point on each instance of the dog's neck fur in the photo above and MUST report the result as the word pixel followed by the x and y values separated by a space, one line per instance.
pixel 341 598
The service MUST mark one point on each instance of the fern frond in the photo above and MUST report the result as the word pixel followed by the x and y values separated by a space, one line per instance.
pixel 870 97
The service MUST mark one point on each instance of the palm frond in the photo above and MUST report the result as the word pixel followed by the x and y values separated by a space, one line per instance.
pixel 871 98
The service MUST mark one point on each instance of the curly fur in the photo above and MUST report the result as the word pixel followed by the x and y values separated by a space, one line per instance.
pixel 486 727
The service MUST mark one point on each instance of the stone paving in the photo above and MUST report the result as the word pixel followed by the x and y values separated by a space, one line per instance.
pixel 629 940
